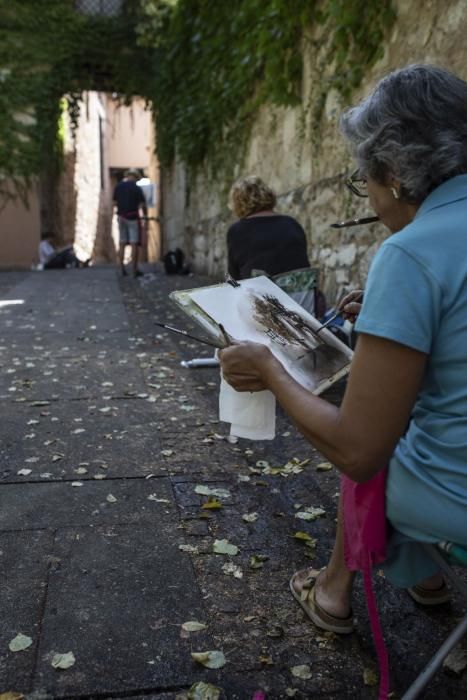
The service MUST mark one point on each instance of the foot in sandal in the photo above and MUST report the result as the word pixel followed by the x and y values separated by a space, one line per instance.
pixel 309 590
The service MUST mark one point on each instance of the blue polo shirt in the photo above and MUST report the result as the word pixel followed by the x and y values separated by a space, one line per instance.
pixel 416 295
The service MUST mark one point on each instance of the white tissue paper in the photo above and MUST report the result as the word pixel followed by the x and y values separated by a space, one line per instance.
pixel 252 415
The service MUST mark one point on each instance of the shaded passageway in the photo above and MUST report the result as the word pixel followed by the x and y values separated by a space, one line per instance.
pixel 105 547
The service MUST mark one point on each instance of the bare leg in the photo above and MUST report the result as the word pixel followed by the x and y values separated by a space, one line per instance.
pixel 134 259
pixel 121 256
pixel 333 587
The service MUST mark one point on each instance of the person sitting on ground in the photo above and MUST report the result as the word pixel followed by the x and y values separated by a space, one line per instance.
pixel 405 403
pixel 262 239
pixel 52 259
pixel 129 201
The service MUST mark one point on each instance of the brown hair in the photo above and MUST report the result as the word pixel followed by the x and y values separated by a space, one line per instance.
pixel 249 195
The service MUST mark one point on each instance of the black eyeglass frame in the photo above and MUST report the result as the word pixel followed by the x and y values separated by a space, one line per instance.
pixel 351 183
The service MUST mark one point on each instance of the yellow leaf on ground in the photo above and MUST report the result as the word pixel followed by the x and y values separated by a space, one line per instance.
pixel 302 536
pixel 370 677
pixel 212 504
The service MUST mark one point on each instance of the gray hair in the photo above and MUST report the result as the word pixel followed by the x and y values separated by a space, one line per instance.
pixel 413 126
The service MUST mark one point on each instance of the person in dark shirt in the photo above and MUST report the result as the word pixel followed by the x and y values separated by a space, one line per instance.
pixel 129 200
pixel 262 239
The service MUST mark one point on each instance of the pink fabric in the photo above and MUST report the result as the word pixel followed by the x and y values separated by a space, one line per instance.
pixel 365 538
pixel 364 521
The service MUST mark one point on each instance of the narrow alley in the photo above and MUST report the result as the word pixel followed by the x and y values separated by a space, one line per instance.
pixel 106 538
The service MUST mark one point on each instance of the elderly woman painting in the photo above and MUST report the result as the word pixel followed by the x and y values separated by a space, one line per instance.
pixel 262 239
pixel 409 138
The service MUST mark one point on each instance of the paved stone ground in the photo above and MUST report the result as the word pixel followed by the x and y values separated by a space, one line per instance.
pixel 104 438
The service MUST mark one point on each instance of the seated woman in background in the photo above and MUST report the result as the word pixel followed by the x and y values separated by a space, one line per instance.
pixel 262 239
pixel 405 404
pixel 52 259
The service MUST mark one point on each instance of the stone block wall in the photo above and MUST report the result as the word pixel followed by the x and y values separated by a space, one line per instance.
pixel 308 173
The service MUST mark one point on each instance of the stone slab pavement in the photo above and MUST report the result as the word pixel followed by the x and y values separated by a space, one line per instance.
pixel 105 549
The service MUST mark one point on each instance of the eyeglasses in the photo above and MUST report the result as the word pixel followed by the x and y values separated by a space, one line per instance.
pixel 357 184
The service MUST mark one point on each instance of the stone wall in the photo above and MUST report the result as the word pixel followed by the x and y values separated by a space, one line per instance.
pixel 308 172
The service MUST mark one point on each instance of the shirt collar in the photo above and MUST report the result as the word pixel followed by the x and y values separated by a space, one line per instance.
pixel 450 191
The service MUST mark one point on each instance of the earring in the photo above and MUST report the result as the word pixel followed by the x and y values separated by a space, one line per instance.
pixel 395 193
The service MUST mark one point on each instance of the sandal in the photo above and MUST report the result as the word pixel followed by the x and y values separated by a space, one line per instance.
pixel 322 619
pixel 424 596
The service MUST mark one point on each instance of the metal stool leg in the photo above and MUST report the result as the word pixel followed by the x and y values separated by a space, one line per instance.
pixel 435 663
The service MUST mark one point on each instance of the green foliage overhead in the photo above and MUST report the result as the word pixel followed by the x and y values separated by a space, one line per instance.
pixel 219 61
pixel 48 50
pixel 206 66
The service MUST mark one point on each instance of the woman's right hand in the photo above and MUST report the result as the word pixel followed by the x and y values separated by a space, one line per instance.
pixel 351 304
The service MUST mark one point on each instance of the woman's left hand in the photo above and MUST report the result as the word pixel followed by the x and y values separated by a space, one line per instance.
pixel 244 364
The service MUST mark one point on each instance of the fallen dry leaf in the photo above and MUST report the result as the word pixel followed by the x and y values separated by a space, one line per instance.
pixel 456 661
pixel 302 536
pixel 370 677
pixel 20 642
pixel 302 671
pixel 193 626
pixel 224 547
pixel 210 659
pixel 203 490
pixel 153 497
pixel 11 696
pixel 232 570
pixel 111 498
pixel 310 513
pixel 266 660
pixel 203 691
pixel 257 561
pixel 323 467
pixel 212 504
pixel 63 661
pixel 250 517
pixel 188 548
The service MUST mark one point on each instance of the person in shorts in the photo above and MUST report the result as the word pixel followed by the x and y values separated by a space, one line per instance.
pixel 129 200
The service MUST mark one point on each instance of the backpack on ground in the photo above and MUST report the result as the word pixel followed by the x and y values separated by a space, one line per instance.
pixel 174 263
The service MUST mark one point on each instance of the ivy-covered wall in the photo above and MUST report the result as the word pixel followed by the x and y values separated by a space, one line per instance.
pixel 206 66
pixel 237 87
pixel 304 158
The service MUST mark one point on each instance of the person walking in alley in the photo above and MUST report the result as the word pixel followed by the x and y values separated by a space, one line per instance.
pixel 129 200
